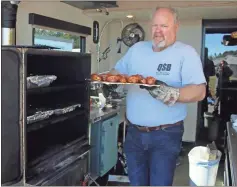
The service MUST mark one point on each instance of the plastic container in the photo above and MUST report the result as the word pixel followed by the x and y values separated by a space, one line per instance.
pixel 202 172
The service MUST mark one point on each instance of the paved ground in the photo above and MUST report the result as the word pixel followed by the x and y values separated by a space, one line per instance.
pixel 182 172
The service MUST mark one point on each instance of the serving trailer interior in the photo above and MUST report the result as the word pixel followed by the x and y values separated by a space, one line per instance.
pixel 54 131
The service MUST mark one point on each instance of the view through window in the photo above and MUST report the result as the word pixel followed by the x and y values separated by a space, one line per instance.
pixel 62 40
pixel 217 52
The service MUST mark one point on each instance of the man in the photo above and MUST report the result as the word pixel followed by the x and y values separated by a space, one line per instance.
pixel 209 70
pixel 223 74
pixel 156 115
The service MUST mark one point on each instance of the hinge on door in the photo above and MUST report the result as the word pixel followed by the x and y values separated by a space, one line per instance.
pixel 87 180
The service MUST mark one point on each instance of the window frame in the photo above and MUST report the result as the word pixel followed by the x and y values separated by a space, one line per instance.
pixel 44 22
pixel 82 38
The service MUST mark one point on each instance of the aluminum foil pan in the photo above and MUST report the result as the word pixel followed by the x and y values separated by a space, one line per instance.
pixel 66 109
pixel 40 81
pixel 38 116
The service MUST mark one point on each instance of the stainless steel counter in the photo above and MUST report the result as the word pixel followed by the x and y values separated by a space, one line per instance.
pixel 232 151
pixel 98 114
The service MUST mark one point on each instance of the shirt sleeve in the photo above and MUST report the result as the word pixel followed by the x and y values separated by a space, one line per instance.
pixel 122 66
pixel 192 69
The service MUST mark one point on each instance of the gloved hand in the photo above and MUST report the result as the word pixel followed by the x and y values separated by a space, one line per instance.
pixel 167 94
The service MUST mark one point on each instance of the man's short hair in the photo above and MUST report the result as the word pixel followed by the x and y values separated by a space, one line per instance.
pixel 172 10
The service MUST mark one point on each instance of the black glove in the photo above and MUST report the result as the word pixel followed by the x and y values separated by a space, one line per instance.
pixel 167 94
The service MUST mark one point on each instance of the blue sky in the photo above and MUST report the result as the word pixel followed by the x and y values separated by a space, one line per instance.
pixel 213 43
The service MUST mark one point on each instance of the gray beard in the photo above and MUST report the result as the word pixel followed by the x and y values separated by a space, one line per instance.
pixel 159 45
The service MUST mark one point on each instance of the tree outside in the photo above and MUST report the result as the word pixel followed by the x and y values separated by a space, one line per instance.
pixel 44 32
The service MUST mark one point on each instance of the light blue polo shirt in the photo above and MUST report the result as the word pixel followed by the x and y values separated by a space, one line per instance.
pixel 178 65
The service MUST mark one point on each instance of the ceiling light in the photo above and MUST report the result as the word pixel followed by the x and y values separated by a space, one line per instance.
pixel 129 16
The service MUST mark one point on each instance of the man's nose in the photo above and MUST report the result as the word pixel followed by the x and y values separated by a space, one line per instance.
pixel 158 29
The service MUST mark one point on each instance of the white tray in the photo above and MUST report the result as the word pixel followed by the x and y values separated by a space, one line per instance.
pixel 120 83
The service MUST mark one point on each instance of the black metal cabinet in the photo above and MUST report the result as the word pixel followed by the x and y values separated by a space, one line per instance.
pixel 53 147
pixel 104 140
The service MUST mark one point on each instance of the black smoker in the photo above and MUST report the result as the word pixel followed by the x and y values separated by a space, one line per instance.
pixel 44 139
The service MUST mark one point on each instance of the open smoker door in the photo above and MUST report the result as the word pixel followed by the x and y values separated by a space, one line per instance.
pixel 11 165
pixel 11 65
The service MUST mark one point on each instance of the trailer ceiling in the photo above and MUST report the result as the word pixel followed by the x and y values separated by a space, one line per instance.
pixel 187 9
pixel 84 5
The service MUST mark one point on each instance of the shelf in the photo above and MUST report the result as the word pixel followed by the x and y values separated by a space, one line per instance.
pixel 49 153
pixel 52 89
pixel 41 168
pixel 53 119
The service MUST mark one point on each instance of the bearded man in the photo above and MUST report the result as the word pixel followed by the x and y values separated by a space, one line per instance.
pixel 155 115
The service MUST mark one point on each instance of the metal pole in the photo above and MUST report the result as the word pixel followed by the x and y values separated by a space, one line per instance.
pixel 99 43
pixel 9 13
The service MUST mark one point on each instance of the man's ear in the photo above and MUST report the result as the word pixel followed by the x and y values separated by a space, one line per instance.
pixel 177 26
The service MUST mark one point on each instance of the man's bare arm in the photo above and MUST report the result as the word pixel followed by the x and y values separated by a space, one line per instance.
pixel 192 93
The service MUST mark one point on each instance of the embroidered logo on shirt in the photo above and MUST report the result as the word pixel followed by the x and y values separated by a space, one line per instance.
pixel 163 69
